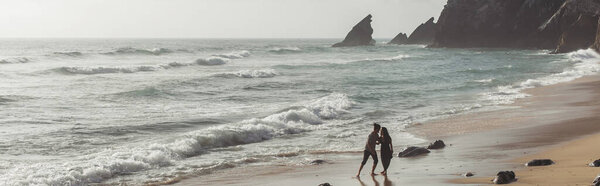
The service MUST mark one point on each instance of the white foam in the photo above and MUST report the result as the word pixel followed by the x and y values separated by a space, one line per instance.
pixel 484 80
pixel 211 61
pixel 131 50
pixel 284 49
pixel 234 55
pixel 586 64
pixel 264 73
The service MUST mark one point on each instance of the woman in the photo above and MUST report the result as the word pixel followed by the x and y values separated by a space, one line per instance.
pixel 386 149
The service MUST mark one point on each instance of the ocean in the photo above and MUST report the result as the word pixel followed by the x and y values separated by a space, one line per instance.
pixel 135 111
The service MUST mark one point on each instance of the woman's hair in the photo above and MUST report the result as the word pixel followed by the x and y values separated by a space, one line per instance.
pixel 386 135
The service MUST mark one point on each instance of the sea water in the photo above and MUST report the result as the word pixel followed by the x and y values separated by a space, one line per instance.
pixel 134 111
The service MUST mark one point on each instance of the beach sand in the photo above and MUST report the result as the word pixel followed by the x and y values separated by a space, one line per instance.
pixel 561 122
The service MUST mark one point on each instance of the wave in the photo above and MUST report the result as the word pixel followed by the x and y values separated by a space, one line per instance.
pixel 107 70
pixel 395 58
pixel 266 73
pixel 234 55
pixel 104 165
pixel 586 64
pixel 131 50
pixel 211 61
pixel 71 54
pixel 15 60
pixel 285 50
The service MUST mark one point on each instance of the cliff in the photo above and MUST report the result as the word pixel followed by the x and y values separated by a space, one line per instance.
pixel 359 35
pixel 400 39
pixel 597 43
pixel 423 34
pixel 496 23
pixel 562 25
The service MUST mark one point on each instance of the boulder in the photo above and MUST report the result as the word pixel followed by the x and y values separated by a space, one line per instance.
pixel 539 162
pixel 438 144
pixel 413 151
pixel 595 163
pixel 359 35
pixel 504 177
pixel 423 34
pixel 325 184
pixel 317 162
pixel 496 23
pixel 400 39
pixel 468 174
pixel 596 181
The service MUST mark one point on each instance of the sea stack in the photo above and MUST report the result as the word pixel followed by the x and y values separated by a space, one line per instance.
pixel 423 34
pixel 360 34
pixel 400 39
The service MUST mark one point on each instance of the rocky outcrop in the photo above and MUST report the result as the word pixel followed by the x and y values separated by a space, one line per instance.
pixel 413 151
pixel 562 25
pixel 496 23
pixel 423 34
pixel 597 43
pixel 504 177
pixel 400 39
pixel 361 34
pixel 539 162
pixel 438 144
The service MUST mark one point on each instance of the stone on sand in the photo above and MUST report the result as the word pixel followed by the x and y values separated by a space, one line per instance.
pixel 438 144
pixel 413 151
pixel 595 163
pixel 539 162
pixel 504 177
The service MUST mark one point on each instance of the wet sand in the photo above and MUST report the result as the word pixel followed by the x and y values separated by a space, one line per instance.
pixel 547 124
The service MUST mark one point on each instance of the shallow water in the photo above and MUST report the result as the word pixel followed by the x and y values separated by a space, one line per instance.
pixel 135 111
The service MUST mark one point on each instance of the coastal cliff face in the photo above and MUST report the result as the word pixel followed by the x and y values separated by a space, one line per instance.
pixel 361 34
pixel 576 20
pixel 496 23
pixel 562 25
pixel 597 43
pixel 423 34
pixel 400 39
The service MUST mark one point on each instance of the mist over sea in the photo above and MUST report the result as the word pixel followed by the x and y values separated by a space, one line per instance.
pixel 79 111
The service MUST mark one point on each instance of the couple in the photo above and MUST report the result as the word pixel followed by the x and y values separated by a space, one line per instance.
pixel 386 149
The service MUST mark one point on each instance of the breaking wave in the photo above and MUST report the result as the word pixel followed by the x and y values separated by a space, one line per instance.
pixel 234 55
pixel 211 61
pixel 285 50
pixel 266 73
pixel 71 54
pixel 107 164
pixel 130 50
pixel 15 60
pixel 586 64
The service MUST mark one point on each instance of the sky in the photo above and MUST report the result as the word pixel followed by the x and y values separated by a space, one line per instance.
pixel 209 18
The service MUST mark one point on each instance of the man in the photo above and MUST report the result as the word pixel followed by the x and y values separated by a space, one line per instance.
pixel 370 149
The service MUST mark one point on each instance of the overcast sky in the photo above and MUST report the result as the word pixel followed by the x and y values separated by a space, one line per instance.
pixel 210 18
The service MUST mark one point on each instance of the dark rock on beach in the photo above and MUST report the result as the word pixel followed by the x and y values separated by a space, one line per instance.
pixel 359 35
pixel 504 177
pixel 413 151
pixel 317 162
pixel 325 184
pixel 595 163
pixel 539 162
pixel 438 144
pixel 400 39
pixel 423 34
pixel 468 174
pixel 596 181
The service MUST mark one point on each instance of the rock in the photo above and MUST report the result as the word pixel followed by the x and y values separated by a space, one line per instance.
pixel 325 184
pixel 504 177
pixel 468 174
pixel 597 181
pixel 539 162
pixel 359 35
pixel 413 151
pixel 496 23
pixel 423 34
pixel 597 43
pixel 400 39
pixel 317 162
pixel 576 22
pixel 438 144
pixel 595 163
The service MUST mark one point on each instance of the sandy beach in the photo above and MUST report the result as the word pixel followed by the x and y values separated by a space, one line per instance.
pixel 559 122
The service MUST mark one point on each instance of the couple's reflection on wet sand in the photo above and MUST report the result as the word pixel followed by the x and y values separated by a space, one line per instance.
pixel 386 181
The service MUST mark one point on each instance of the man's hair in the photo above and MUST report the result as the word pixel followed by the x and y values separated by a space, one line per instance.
pixel 376 126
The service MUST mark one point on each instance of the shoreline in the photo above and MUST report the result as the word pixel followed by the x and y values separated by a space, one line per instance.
pixel 498 138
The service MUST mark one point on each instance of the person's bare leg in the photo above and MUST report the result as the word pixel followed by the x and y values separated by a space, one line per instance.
pixel 373 169
pixel 360 169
